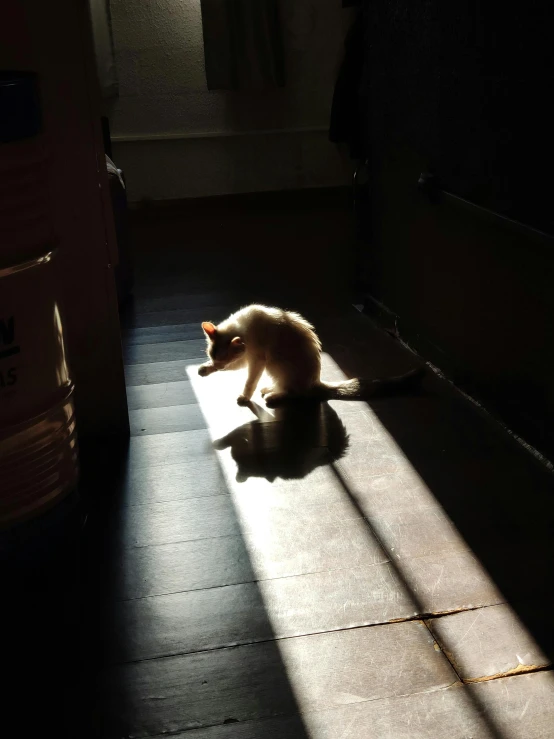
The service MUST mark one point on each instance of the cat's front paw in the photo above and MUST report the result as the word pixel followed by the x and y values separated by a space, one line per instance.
pixel 243 400
pixel 205 370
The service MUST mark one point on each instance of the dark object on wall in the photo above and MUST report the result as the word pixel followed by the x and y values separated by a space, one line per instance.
pixel 243 45
pixel 348 109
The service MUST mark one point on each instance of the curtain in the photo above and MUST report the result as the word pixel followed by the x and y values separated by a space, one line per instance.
pixel 243 45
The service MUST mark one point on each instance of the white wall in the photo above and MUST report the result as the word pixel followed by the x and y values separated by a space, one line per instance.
pixel 176 139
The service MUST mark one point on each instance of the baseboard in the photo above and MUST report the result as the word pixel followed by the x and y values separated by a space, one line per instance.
pixel 203 167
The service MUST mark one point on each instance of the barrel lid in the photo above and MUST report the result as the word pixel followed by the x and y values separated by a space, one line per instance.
pixel 20 110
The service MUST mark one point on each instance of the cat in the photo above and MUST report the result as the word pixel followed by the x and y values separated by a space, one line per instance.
pixel 286 346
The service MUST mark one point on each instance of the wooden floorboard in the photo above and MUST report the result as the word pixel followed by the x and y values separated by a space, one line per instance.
pixel 167 351
pixel 178 520
pixel 177 480
pixel 166 419
pixel 269 679
pixel 162 334
pixel 491 642
pixel 175 316
pixel 158 373
pixel 249 612
pixel 482 711
pixel 161 395
pixel 159 450
pixel 183 566
pixel 173 297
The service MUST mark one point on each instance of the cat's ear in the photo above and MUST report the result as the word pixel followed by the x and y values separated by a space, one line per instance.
pixel 209 329
pixel 237 342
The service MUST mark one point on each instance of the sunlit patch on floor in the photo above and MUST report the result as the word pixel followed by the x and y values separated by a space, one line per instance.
pixel 368 539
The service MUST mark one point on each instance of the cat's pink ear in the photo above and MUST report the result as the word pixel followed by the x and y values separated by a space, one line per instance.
pixel 237 342
pixel 209 329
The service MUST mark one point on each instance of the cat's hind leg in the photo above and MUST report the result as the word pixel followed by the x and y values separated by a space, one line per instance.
pixel 280 394
pixel 256 367
pixel 274 398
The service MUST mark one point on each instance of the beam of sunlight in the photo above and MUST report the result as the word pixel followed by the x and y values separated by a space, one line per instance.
pixel 396 556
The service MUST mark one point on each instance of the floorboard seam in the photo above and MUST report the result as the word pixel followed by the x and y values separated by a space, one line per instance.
pixel 276 639
pixel 299 715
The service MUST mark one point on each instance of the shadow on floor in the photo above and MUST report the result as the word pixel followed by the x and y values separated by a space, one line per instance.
pixel 124 686
pixel 306 436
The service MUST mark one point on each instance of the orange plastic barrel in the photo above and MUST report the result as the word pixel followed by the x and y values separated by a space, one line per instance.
pixel 38 438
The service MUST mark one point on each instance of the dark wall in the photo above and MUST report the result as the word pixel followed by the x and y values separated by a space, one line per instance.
pixel 461 91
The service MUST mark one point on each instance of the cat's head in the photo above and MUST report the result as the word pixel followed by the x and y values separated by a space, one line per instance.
pixel 223 349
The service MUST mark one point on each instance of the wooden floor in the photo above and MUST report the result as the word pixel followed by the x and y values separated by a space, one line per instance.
pixel 348 570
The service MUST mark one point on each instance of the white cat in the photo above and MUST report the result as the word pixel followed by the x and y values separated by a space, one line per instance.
pixel 286 346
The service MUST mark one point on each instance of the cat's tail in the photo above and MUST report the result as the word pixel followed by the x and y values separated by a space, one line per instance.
pixel 361 389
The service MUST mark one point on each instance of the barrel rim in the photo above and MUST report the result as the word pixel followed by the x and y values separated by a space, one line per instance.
pixel 13 428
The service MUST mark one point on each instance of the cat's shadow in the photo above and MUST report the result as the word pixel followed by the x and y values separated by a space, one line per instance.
pixel 289 445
